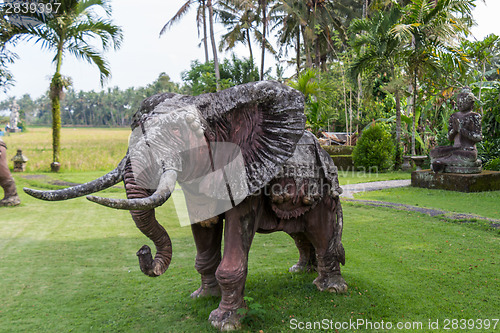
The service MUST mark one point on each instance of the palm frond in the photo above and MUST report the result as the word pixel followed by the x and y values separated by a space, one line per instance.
pixel 180 13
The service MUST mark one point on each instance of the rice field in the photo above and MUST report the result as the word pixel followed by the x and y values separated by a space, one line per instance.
pixel 82 149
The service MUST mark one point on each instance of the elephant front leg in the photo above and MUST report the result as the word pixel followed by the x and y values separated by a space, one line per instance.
pixel 307 255
pixel 232 272
pixel 208 257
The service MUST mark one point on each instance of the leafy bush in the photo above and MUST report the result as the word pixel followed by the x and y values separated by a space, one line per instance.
pixel 493 165
pixel 488 150
pixel 375 148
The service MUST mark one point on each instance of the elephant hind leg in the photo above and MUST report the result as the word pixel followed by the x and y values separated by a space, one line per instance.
pixel 307 255
pixel 322 224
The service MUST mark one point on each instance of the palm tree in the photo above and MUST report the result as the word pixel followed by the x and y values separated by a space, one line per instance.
pixel 429 27
pixel 214 45
pixel 239 17
pixel 289 18
pixel 382 50
pixel 6 57
pixel 201 20
pixel 71 31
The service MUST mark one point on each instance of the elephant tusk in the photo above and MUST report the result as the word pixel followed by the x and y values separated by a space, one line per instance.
pixel 158 198
pixel 99 184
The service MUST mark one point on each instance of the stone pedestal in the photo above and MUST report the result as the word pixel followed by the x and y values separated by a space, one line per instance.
pixel 478 182
pixel 419 161
pixel 406 163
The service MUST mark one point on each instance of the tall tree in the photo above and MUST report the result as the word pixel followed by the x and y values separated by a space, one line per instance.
pixel 429 27
pixel 72 30
pixel 263 4
pixel 201 20
pixel 212 40
pixel 240 18
pixel 380 50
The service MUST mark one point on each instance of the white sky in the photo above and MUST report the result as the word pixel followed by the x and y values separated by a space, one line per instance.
pixel 144 55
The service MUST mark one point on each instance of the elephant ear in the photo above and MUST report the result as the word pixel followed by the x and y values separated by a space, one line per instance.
pixel 264 119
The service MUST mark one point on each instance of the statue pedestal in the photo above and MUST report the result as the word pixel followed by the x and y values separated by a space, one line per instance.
pixel 477 182
pixel 419 161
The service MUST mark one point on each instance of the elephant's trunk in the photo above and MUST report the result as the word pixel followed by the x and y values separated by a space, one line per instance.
pixel 147 223
pixel 99 184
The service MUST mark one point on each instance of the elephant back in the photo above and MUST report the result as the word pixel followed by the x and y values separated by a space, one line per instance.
pixel 303 180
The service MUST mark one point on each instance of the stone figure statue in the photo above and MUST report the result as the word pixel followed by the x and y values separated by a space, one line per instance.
pixel 14 115
pixel 464 130
pixel 6 181
pixel 245 164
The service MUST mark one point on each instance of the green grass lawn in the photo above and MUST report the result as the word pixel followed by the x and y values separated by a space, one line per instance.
pixel 356 177
pixel 71 266
pixel 485 204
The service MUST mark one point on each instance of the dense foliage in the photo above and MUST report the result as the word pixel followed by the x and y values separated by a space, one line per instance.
pixel 489 148
pixel 374 149
pixel 355 61
pixel 200 78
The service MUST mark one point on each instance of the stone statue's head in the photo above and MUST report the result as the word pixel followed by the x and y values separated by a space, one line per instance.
pixel 465 99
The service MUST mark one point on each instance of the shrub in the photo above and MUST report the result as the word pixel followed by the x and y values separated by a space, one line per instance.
pixel 493 165
pixel 375 148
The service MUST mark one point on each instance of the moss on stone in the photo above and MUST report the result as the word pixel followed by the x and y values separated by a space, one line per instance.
pixel 480 182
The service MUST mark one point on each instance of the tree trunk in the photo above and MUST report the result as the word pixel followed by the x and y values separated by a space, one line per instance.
pixel 360 97
pixel 307 49
pixel 298 51
pixel 204 19
pixel 398 131
pixel 56 87
pixel 214 46
pixel 481 86
pixel 249 41
pixel 317 55
pixel 264 28
pixel 350 117
pixel 414 109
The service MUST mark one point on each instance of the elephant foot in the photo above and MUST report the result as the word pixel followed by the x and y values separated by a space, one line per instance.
pixel 205 291
pixel 209 287
pixel 225 320
pixel 333 284
pixel 302 268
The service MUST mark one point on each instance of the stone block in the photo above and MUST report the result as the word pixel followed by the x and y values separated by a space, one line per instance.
pixel 479 182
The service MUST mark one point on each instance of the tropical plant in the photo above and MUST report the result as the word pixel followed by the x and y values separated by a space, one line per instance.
pixel 240 19
pixel 485 55
pixel 72 30
pixel 380 50
pixel 200 78
pixel 6 57
pixel 428 29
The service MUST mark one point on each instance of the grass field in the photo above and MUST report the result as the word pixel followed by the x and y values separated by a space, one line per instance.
pixel 82 149
pixel 485 204
pixel 71 266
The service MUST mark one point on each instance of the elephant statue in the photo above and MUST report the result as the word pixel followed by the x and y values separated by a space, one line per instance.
pixel 244 161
